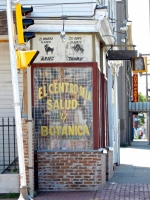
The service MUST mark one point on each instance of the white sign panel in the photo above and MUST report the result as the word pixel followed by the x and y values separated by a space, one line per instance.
pixel 77 48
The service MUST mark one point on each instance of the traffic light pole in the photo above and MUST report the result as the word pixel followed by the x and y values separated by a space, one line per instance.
pixel 23 186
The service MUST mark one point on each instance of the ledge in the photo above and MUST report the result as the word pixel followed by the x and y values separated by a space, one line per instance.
pixel 73 151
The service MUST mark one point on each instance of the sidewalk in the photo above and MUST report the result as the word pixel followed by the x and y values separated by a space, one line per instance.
pixel 131 180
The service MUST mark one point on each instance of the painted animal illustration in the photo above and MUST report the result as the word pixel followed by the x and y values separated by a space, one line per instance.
pixel 48 49
pixel 77 48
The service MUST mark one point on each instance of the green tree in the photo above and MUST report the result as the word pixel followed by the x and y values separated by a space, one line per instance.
pixel 141 97
pixel 141 119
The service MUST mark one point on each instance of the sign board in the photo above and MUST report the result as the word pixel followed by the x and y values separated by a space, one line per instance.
pixel 121 54
pixel 135 87
pixel 63 107
pixel 77 48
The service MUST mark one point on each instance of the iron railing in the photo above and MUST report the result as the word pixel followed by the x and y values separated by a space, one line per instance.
pixel 8 146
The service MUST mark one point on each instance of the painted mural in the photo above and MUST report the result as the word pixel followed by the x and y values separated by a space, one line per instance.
pixel 77 48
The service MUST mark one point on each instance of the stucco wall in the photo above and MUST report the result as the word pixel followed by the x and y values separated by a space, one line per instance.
pixel 9 183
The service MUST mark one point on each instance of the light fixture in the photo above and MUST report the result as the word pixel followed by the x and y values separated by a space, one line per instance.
pixel 124 24
pixel 125 37
pixel 63 36
pixel 62 33
pixel 123 40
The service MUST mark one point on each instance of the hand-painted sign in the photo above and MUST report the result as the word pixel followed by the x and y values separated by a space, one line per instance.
pixel 63 106
pixel 135 87
pixel 52 49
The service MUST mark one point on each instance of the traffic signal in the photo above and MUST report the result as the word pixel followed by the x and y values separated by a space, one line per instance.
pixel 25 58
pixel 22 24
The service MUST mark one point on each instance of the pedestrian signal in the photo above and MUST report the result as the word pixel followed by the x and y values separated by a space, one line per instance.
pixel 25 58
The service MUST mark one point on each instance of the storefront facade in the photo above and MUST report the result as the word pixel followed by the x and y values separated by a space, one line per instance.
pixel 68 107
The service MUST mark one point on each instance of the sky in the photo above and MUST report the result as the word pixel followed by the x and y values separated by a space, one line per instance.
pixel 138 13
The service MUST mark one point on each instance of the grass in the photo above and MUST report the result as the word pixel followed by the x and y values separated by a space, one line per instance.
pixel 9 195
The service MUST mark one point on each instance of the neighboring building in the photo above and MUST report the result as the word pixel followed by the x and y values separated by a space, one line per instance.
pixel 124 77
pixel 8 144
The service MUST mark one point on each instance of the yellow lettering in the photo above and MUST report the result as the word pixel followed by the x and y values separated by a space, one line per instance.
pixel 61 87
pixel 71 130
pixel 86 130
pixel 75 89
pixel 84 91
pixel 74 104
pixel 50 107
pixel 50 89
pixel 56 104
pixel 80 131
pixel 61 106
pixel 81 91
pixel 86 94
pixel 56 88
pixel 58 129
pixel 76 130
pixel 40 93
pixel 44 92
pixel 52 130
pixel 66 84
pixel 63 116
pixel 89 96
pixel 44 131
pixel 67 104
pixel 64 130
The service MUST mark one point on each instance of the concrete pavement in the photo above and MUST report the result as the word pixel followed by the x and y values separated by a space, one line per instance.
pixel 131 180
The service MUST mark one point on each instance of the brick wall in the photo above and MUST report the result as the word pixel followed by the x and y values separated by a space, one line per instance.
pixel 3 23
pixel 26 146
pixel 71 171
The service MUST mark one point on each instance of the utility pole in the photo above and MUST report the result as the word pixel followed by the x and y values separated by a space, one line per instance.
pixel 23 186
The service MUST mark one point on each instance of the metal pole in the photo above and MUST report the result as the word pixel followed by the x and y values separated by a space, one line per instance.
pixel 148 114
pixel 146 88
pixel 23 187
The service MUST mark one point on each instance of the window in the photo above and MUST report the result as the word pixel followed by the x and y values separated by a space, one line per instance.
pixel 63 108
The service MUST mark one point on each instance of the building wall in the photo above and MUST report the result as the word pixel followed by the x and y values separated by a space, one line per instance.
pixel 6 92
pixel 109 165
pixel 123 80
pixel 3 21
pixel 26 144
pixel 58 8
pixel 70 171
pixel 6 104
